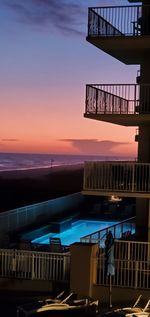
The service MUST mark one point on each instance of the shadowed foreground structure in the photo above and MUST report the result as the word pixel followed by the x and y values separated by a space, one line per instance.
pixel 20 188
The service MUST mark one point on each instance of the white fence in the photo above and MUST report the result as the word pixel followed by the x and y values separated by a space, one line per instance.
pixel 132 265
pixel 20 217
pixel 34 265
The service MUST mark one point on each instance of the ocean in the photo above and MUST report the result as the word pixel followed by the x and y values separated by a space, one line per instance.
pixel 23 161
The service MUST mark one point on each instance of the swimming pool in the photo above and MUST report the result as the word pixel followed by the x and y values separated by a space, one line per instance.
pixel 79 229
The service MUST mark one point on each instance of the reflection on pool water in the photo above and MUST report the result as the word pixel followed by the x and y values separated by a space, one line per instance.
pixel 78 230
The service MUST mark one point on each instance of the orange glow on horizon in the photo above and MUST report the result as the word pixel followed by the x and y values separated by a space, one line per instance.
pixel 60 147
pixel 37 124
pixel 43 78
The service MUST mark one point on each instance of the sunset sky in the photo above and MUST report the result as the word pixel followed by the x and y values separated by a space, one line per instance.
pixel 45 64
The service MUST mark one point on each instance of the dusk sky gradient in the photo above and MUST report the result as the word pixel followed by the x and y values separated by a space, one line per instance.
pixel 45 64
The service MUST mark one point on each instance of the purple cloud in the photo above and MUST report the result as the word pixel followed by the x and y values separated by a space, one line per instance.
pixel 94 146
pixel 9 140
pixel 60 15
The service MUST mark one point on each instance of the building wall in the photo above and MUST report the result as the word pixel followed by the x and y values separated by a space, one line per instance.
pixel 120 295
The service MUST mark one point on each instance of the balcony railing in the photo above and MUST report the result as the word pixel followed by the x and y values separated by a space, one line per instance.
pixel 120 177
pixel 117 99
pixel 119 21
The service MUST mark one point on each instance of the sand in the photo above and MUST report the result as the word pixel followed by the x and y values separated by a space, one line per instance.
pixel 24 187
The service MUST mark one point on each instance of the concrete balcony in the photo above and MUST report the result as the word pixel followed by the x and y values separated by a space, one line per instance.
pixel 124 179
pixel 123 32
pixel 127 105
pixel 134 0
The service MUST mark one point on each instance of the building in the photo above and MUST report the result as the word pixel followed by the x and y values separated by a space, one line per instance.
pixel 124 33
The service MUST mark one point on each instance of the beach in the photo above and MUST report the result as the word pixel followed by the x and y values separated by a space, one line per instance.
pixel 24 187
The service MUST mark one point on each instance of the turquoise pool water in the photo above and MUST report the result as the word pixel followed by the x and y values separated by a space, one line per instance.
pixel 78 230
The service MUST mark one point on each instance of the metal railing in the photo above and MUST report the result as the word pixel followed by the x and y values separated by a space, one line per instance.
pixel 132 265
pixel 117 99
pixel 119 21
pixel 117 177
pixel 23 216
pixel 34 265
pixel 18 218
pixel 122 229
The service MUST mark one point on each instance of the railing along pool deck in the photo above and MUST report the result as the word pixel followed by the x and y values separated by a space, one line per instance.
pixel 132 265
pixel 33 265
pixel 123 229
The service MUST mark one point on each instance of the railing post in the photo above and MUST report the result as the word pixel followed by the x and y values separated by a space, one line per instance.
pixel 98 26
pixel 113 104
pixel 32 272
pixel 128 107
pixel 89 21
pixel 129 250
pixel 106 28
pixel 64 267
pixel 86 98
pixel 136 274
pixel 133 174
pixel 135 98
pixel 120 105
pixel 96 100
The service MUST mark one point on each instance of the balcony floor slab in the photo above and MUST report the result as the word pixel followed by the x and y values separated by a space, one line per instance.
pixel 129 120
pixel 130 50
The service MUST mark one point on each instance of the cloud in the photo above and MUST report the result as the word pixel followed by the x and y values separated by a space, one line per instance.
pixel 60 15
pixel 96 147
pixel 9 140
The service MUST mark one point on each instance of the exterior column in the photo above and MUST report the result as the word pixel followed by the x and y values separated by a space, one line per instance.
pixel 144 144
pixel 142 204
pixel 143 219
pixel 83 268
pixel 144 107
pixel 144 71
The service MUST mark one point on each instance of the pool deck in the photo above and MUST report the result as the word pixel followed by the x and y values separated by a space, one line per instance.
pixel 9 301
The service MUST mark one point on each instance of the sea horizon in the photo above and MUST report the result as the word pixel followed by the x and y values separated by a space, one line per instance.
pixel 26 161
